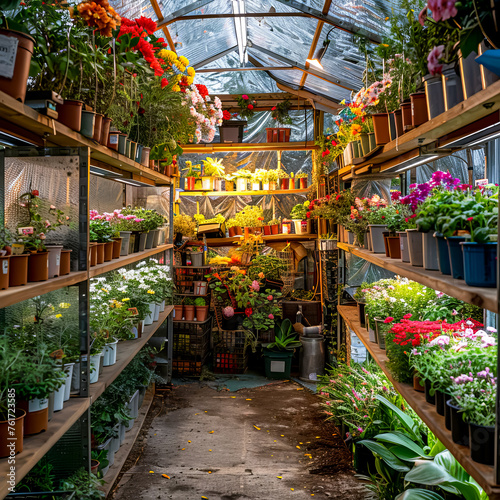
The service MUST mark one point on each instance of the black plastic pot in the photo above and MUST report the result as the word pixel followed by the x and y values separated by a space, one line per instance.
pixel 430 399
pixel 440 398
pixel 443 254
pixel 361 313
pixel 459 428
pixel 456 256
pixel 447 416
pixel 482 443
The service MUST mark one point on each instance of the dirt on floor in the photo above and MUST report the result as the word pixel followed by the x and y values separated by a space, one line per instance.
pixel 252 444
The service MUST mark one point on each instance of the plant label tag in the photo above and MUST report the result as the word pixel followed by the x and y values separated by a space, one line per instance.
pixel 133 310
pixel 58 354
pixel 113 139
pixel 481 182
pixel 25 230
pixel 8 54
pixel 5 267
pixel 58 260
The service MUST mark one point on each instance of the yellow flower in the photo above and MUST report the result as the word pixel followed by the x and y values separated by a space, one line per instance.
pixel 151 292
pixel 179 66
pixel 58 315
pixel 178 78
pixel 104 290
pixel 190 80
pixel 176 88
pixel 65 305
pixel 168 55
pixel 184 60
pixel 191 71
pixel 125 300
pixel 307 203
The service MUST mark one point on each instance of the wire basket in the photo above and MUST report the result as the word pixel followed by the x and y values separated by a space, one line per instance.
pixel 287 270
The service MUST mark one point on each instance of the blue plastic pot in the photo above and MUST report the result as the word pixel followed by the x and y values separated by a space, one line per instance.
pixel 456 256
pixel 443 254
pixel 480 264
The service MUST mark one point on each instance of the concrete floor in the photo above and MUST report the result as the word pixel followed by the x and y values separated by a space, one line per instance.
pixel 261 443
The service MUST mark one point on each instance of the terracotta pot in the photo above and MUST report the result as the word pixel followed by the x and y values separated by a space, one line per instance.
pixel 267 230
pixel 398 119
pixel 276 229
pixel 100 253
pixel 189 183
pixel 18 274
pixel 93 254
pixel 97 127
pixel 386 244
pixel 416 384
pixel 4 272
pixel 65 267
pixel 117 245
pixel 406 114
pixel 106 124
pixel 168 170
pixel 418 109
pixel 201 313
pixel 232 232
pixel 6 436
pixel 108 251
pixel 15 86
pixel 94 466
pixel 34 421
pixel 303 183
pixel 38 266
pixel 381 128
pixel 284 183
pixel 394 247
pixel 70 114
pixel 189 313
pixel 238 230
pixel 178 310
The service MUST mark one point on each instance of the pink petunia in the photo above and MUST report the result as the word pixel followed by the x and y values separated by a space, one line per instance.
pixel 433 65
pixel 442 9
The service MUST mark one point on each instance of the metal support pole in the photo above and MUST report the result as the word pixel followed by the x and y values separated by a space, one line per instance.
pixel 497 419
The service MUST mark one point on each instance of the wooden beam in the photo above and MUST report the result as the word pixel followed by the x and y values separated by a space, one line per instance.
pixel 166 32
pixel 314 43
pixel 232 16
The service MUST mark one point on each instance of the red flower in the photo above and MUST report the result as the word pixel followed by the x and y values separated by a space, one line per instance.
pixel 250 106
pixel 164 83
pixel 226 115
pixel 334 143
pixel 248 311
pixel 273 108
pixel 35 193
pixel 141 111
pixel 407 316
pixel 148 24
pixel 470 218
pixel 389 319
pixel 325 153
pixel 383 216
pixel 308 215
pixel 202 89
pixel 244 97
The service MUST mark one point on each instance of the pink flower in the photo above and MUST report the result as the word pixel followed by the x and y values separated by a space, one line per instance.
pixel 244 96
pixel 228 312
pixel 433 60
pixel 269 297
pixel 255 285
pixel 407 316
pixel 52 207
pixel 47 223
pixel 389 319
pixel 271 316
pixel 442 9
pixel 422 17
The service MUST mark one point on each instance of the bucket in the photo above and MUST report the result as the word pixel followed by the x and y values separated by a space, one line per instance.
pixel 312 358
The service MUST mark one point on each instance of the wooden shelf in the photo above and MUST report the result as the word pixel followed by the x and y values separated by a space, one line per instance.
pixel 35 447
pixel 482 297
pixel 19 293
pixel 125 260
pixel 130 438
pixel 193 267
pixel 127 351
pixel 477 107
pixel 193 322
pixel 26 123
pixel 274 238
pixel 248 146
pixel 483 474
pixel 243 193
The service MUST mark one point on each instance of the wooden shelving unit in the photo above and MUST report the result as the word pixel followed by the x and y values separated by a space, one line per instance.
pixel 26 123
pixel 248 146
pixel 127 350
pixel 443 127
pixel 126 260
pixel 274 238
pixel 243 193
pixel 35 447
pixel 483 474
pixel 17 294
pixel 482 297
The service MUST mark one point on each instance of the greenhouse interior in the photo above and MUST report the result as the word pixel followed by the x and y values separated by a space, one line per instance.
pixel 264 260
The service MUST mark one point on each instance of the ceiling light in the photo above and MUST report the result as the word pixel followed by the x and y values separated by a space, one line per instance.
pixel 316 60
pixel 415 162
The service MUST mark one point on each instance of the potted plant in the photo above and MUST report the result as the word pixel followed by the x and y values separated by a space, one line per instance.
pixel 302 177
pixel 275 225
pixel 101 233
pixel 197 256
pixel 192 173
pixel 299 216
pixel 280 113
pixel 189 309
pixel 272 178
pixel 284 180
pixel 178 308
pixel 242 178
pixel 360 299
pixel 201 309
pixel 231 130
pixel 213 171
pixel 377 223
pixel 6 239
pixel 233 227
pixel 286 340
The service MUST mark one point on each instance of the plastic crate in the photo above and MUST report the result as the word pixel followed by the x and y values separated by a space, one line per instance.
pixel 188 365
pixel 229 362
pixel 191 343
pixel 193 327
pixel 232 341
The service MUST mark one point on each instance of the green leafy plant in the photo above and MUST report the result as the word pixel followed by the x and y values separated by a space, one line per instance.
pixel 85 485
pixel 285 337
pixel 280 112
pixel 200 301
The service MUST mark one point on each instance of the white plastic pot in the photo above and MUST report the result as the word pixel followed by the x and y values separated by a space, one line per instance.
pixel 241 184
pixel 110 350
pixel 302 226
pixel 59 398
pixel 68 368
pixel 156 314
pixel 94 367
pixel 265 186
pixel 162 306
pixel 148 320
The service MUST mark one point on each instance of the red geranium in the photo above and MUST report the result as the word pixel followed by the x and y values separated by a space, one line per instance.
pixel 226 115
pixel 35 192
pixel 250 106
pixel 164 83
pixel 248 311
pixel 202 89
pixel 148 24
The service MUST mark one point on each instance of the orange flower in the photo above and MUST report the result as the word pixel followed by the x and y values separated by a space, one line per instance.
pixel 243 271
pixel 356 129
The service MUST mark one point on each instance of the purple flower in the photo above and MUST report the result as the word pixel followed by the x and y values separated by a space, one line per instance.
pixel 442 9
pixel 484 374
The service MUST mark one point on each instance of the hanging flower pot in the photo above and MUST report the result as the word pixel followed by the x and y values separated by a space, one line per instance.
pixel 480 264
pixel 434 95
pixel 16 69
pixel 418 109
pixel 381 128
pixel 38 266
